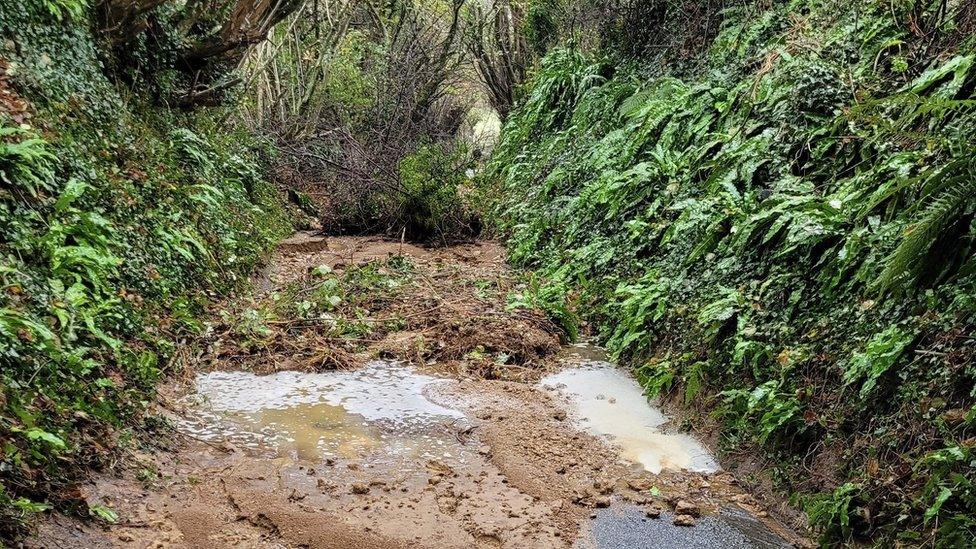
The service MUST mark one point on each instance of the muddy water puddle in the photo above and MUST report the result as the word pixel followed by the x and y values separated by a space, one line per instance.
pixel 607 401
pixel 381 415
pixel 379 411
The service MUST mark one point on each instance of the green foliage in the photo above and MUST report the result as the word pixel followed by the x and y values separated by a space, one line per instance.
pixel 429 203
pixel 729 232
pixel 552 299
pixel 25 161
pixel 642 304
pixel 542 24
pixel 19 510
pixel 61 10
pixel 833 512
pixel 118 221
pixel 346 83
pixel 881 353
pixel 766 409
pixel 949 494
pixel 951 192
pixel 104 513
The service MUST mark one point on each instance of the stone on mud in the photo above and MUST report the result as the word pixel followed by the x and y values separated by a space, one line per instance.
pixel 685 507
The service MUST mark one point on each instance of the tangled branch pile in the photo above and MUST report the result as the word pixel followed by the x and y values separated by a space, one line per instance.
pixel 366 101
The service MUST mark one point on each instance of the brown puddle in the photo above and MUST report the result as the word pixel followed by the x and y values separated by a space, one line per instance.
pixel 607 401
pixel 316 430
pixel 379 411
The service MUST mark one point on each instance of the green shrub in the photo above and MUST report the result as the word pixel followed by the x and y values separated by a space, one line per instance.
pixel 428 204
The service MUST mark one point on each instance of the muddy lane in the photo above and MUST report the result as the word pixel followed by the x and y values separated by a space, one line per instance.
pixel 444 449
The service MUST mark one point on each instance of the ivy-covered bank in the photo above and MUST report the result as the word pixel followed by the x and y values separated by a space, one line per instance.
pixel 779 232
pixel 120 218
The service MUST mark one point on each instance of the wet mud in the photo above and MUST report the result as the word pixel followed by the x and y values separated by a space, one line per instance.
pixel 562 450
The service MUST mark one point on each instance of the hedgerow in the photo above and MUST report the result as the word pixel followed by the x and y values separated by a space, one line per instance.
pixel 782 234
pixel 119 220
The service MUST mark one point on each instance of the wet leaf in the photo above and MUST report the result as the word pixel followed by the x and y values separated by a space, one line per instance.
pixel 104 513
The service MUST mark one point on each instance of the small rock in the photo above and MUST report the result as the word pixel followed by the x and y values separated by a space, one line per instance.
pixel 603 486
pixel 684 507
pixel 126 538
pixel 640 484
pixel 654 513
pixel 559 415
pixel 601 502
pixel 359 488
pixel 684 520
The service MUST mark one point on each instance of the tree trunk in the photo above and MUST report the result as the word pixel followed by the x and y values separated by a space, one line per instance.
pixel 123 20
pixel 249 23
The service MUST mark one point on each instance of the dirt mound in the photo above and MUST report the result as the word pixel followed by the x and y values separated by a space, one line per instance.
pixel 335 302
pixel 495 347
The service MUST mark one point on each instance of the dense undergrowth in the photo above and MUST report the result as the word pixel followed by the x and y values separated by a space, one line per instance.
pixel 779 231
pixel 366 103
pixel 119 219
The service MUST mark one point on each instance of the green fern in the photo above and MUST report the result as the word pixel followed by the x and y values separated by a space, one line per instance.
pixel 27 162
pixel 71 10
pixel 952 190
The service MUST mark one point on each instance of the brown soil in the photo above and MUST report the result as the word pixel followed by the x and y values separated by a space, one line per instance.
pixel 451 311
pixel 532 479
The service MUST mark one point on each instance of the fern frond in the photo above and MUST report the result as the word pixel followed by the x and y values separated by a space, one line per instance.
pixel 951 190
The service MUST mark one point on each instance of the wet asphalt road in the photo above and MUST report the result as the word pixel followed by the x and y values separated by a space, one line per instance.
pixel 628 527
